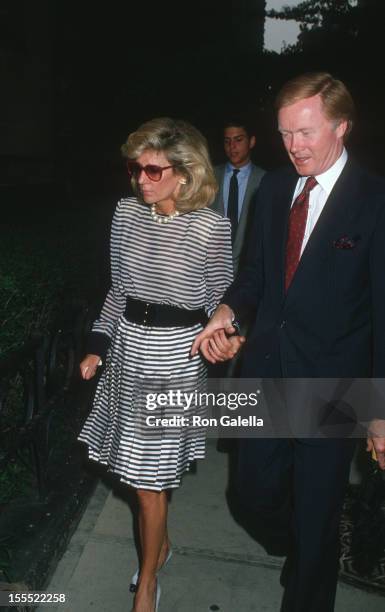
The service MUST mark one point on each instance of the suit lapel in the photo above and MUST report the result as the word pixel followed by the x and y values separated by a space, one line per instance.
pixel 280 209
pixel 335 215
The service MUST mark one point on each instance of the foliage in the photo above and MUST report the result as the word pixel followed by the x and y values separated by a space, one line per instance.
pixel 12 401
pixel 315 11
pixel 5 556
pixel 30 285
pixel 51 259
pixel 42 268
pixel 323 23
pixel 16 478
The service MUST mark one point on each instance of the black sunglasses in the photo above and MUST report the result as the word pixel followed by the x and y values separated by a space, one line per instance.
pixel 153 172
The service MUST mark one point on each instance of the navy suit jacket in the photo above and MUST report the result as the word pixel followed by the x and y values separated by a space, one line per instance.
pixel 331 321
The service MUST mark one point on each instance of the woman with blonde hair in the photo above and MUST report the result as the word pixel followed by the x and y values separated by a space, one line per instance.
pixel 170 265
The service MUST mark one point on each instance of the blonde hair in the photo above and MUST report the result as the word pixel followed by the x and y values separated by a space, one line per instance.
pixel 337 102
pixel 186 149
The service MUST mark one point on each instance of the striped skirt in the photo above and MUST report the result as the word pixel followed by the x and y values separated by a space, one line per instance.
pixel 140 425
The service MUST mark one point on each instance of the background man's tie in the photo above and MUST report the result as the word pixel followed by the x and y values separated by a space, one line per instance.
pixel 232 205
pixel 296 230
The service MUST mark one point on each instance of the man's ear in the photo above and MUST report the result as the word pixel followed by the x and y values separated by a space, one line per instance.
pixel 341 128
pixel 252 142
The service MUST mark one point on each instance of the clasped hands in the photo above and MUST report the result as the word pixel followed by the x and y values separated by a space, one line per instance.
pixel 216 341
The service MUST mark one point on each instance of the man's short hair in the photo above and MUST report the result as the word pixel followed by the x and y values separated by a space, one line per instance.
pixel 337 102
pixel 239 122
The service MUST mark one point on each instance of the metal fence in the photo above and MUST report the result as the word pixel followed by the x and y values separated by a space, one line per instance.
pixel 34 382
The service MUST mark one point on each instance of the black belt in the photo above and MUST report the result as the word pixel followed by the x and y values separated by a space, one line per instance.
pixel 162 315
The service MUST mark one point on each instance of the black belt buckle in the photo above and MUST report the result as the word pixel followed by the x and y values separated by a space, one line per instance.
pixel 148 314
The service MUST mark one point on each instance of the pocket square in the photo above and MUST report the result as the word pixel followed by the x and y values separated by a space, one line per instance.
pixel 345 242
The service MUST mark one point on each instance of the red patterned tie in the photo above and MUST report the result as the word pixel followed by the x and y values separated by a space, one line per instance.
pixel 296 230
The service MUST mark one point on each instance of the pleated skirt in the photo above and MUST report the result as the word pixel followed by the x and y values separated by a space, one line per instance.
pixel 145 368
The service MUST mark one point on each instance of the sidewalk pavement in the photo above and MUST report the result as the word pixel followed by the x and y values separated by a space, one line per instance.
pixel 216 566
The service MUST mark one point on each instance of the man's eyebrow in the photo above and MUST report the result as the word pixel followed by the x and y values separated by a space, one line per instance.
pixel 304 129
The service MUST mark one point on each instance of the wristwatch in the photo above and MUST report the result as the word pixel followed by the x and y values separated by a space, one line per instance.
pixel 237 326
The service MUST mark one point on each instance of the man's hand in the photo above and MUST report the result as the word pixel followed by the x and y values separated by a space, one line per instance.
pixel 376 441
pixel 221 320
pixel 222 347
pixel 89 366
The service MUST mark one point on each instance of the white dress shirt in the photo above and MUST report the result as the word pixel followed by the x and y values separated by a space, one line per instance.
pixel 320 193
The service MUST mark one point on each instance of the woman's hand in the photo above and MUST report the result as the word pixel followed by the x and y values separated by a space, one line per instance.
pixel 222 347
pixel 89 366
pixel 221 319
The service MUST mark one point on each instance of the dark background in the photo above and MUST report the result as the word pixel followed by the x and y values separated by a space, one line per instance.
pixel 77 77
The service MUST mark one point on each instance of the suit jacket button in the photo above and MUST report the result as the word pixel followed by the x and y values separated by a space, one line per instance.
pixel 282 324
pixel 267 356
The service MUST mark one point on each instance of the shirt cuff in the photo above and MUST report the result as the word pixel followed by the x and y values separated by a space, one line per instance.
pixel 97 343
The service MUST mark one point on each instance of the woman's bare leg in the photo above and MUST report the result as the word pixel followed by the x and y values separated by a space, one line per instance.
pixel 164 550
pixel 166 545
pixel 153 535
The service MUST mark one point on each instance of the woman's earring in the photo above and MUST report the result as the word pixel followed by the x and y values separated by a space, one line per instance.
pixel 183 181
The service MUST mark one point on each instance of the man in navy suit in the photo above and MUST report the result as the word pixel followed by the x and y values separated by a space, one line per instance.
pixel 315 274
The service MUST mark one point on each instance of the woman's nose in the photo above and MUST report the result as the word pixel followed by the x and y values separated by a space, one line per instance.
pixel 141 177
